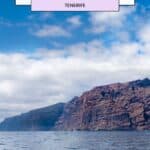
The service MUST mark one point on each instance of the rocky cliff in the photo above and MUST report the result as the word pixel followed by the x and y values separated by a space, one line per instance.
pixel 121 106
pixel 40 119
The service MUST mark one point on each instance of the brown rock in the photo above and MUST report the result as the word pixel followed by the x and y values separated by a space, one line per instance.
pixel 111 107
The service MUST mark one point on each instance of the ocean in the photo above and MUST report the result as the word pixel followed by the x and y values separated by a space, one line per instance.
pixel 75 140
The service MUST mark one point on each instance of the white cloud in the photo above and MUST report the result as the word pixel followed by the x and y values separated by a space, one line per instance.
pixel 75 21
pixel 50 31
pixel 144 33
pixel 144 38
pixel 103 21
pixel 51 76
pixel 40 16
pixel 45 16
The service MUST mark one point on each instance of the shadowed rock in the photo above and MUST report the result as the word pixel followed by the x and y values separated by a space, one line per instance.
pixel 39 119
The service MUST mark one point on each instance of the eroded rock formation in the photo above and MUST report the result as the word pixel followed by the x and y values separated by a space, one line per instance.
pixel 111 107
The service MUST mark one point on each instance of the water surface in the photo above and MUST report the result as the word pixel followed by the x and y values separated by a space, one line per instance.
pixel 102 140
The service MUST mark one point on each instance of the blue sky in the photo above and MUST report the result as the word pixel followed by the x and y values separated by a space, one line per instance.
pixel 15 15
pixel 49 57
pixel 17 21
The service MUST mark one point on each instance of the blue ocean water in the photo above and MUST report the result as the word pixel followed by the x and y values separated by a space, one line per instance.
pixel 76 140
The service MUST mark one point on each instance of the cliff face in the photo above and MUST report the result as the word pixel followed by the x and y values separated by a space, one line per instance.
pixel 111 107
pixel 39 119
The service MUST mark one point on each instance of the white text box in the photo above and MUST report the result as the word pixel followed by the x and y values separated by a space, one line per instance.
pixel 127 2
pixel 23 2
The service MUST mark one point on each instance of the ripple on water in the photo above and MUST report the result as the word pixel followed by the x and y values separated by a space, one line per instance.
pixel 1 144
pixel 75 141
pixel 73 148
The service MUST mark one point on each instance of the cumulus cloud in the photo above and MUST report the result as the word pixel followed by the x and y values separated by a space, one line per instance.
pixel 50 76
pixel 50 31
pixel 144 33
pixel 75 21
pixel 40 16
pixel 103 21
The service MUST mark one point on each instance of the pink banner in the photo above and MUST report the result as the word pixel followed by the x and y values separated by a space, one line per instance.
pixel 75 5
